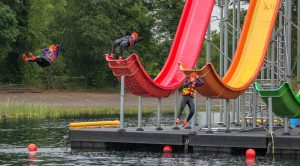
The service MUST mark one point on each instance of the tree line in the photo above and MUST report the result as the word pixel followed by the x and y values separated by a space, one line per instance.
pixel 85 30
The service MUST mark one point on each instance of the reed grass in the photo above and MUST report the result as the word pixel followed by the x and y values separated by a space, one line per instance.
pixel 21 110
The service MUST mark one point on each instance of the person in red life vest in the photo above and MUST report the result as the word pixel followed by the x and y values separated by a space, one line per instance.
pixel 188 94
pixel 50 55
pixel 129 40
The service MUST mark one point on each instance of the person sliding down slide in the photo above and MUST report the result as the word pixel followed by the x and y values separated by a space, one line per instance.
pixel 50 55
pixel 129 40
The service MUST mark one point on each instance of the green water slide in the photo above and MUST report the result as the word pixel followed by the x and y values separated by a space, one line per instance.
pixel 284 101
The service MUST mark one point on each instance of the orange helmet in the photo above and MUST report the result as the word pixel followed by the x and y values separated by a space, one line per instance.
pixel 193 75
pixel 53 48
pixel 135 35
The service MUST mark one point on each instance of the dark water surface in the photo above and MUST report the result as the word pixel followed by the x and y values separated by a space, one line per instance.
pixel 48 136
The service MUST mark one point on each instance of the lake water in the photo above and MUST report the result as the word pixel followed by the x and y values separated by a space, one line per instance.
pixel 48 136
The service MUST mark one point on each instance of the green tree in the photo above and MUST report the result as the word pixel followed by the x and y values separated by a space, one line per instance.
pixel 91 27
pixel 10 64
pixel 43 31
pixel 9 30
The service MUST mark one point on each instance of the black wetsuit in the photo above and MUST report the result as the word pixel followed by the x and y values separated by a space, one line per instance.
pixel 123 43
pixel 188 98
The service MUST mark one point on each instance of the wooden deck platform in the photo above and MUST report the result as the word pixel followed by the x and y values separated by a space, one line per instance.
pixel 184 140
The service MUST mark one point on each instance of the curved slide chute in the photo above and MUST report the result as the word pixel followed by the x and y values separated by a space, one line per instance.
pixel 249 56
pixel 285 102
pixel 186 48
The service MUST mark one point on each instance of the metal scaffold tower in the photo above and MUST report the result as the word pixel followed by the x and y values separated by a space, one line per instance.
pixel 277 68
pixel 249 108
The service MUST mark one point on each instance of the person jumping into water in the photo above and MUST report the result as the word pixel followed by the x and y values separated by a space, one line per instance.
pixel 50 55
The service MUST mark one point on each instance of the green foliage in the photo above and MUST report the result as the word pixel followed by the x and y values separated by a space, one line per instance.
pixel 9 30
pixel 21 110
pixel 9 63
pixel 86 30
pixel 89 30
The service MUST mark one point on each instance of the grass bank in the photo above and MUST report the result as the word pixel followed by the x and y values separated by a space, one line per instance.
pixel 21 110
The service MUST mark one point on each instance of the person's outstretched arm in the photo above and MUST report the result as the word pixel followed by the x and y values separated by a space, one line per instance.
pixel 199 82
pixel 45 51
pixel 187 83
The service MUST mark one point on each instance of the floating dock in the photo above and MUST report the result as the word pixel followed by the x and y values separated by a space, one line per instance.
pixel 183 140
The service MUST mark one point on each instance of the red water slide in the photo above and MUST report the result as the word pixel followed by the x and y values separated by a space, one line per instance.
pixel 186 49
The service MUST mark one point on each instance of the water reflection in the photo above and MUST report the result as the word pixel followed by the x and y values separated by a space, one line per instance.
pixel 250 161
pixel 32 158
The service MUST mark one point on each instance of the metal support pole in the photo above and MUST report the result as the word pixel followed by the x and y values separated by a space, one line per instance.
pixel 196 109
pixel 206 113
pixel 226 37
pixel 238 109
pixel 159 115
pixel 176 110
pixel 235 101
pixel 208 52
pixel 270 114
pixel 140 114
pixel 285 121
pixel 288 14
pixel 208 44
pixel 226 59
pixel 269 57
pixel 290 41
pixel 233 111
pixel 221 101
pixel 280 51
pixel 254 108
pixel 273 61
pixel 209 101
pixel 221 38
pixel 221 53
pixel 238 19
pixel 234 27
pixel 194 118
pixel 238 27
pixel 122 104
pixel 227 110
pixel 243 113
